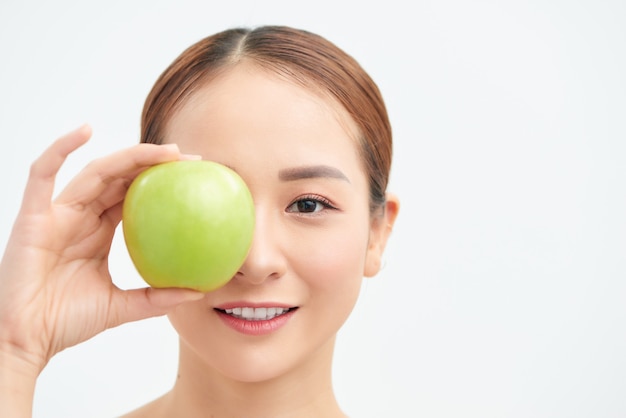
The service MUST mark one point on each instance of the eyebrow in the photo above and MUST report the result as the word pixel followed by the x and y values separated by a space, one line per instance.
pixel 312 171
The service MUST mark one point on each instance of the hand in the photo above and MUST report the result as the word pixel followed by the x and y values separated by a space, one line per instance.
pixel 55 286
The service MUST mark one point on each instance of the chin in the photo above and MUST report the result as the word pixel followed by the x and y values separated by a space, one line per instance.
pixel 256 364
pixel 259 366
pixel 252 359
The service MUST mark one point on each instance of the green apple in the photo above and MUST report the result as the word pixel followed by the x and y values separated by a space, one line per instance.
pixel 188 224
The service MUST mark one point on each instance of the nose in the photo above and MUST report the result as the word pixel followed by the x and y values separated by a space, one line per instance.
pixel 265 260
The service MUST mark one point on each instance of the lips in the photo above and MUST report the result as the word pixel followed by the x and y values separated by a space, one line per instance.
pixel 255 320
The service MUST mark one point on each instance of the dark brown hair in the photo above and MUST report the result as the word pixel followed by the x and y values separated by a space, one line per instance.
pixel 301 56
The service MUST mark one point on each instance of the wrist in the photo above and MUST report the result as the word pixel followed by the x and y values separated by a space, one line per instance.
pixel 18 377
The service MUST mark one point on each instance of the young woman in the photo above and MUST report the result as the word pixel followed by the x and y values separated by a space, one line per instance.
pixel 307 129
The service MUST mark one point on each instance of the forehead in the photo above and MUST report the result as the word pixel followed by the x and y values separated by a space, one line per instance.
pixel 247 108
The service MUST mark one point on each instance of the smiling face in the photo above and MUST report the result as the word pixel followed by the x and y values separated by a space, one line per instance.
pixel 314 240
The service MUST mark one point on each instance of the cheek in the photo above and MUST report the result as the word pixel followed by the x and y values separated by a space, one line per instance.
pixel 332 273
pixel 332 261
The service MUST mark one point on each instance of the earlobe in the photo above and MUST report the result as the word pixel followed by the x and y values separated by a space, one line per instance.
pixel 379 234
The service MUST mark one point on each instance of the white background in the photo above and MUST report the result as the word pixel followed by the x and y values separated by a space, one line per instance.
pixel 504 291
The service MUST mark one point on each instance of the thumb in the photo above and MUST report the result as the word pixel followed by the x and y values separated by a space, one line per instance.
pixel 137 304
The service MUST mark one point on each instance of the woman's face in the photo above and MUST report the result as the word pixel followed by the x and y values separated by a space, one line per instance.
pixel 312 243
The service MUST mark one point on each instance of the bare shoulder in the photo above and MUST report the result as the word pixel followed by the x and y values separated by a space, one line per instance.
pixel 153 409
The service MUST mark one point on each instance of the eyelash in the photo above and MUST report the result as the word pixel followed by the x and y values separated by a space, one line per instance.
pixel 326 204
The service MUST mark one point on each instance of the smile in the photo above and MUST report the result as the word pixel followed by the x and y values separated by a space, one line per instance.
pixel 256 314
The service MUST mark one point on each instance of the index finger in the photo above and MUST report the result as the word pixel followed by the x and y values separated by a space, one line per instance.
pixel 40 185
pixel 96 178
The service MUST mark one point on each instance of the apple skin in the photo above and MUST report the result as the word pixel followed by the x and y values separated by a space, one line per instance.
pixel 188 224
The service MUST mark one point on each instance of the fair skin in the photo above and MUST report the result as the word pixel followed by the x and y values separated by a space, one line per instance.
pixel 315 239
pixel 55 287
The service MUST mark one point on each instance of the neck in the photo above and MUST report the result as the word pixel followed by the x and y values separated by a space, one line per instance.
pixel 304 391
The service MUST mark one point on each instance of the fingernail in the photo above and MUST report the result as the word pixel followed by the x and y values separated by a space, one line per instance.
pixel 84 129
pixel 172 147
pixel 188 295
pixel 190 157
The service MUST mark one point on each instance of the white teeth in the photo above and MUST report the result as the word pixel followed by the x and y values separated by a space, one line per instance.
pixel 260 313
pixel 256 314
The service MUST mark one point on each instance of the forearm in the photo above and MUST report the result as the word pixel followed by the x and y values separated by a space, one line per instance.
pixel 17 386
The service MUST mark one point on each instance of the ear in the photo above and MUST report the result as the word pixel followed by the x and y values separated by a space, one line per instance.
pixel 381 227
